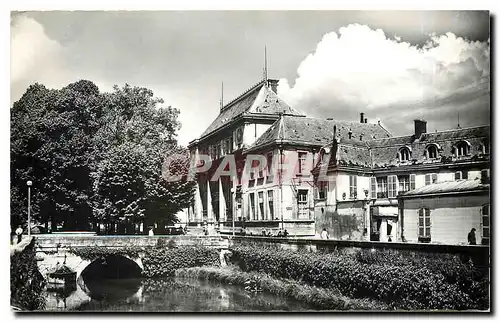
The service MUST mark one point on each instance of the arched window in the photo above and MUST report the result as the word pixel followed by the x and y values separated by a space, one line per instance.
pixel 404 154
pixel 462 148
pixel 431 151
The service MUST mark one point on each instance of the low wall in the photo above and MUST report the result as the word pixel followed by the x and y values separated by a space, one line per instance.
pixel 479 253
pixel 61 241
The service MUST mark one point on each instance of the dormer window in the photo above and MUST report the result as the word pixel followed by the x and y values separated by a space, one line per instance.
pixel 404 154
pixel 462 148
pixel 431 151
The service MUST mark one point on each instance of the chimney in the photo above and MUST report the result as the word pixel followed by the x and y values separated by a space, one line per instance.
pixel 420 128
pixel 361 117
pixel 273 84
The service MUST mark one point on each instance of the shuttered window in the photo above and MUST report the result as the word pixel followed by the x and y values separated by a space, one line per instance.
pixel 353 187
pixel 485 221
pixel 373 188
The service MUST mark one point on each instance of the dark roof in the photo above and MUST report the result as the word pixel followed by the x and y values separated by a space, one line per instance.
pixel 317 131
pixel 384 151
pixel 395 140
pixel 456 134
pixel 349 155
pixel 448 186
pixel 259 99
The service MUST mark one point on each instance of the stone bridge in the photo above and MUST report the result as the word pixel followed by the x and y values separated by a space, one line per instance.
pixel 54 249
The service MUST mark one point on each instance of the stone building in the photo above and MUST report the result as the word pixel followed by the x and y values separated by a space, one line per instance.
pixel 446 212
pixel 360 197
pixel 279 196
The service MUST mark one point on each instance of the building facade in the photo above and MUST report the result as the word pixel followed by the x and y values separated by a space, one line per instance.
pixel 263 165
pixel 280 195
pixel 360 200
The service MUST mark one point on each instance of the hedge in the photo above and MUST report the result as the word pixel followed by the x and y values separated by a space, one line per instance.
pixel 421 283
pixel 161 262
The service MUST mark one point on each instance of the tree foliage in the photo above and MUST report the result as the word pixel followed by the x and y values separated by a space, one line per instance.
pixel 93 157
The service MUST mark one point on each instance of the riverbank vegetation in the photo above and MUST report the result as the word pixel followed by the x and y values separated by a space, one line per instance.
pixel 407 281
pixel 317 298
pixel 26 282
pixel 162 262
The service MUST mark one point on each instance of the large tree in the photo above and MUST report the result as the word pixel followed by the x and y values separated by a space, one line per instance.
pixel 93 157
pixel 51 144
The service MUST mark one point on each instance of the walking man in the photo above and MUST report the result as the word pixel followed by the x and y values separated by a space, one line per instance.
pixel 324 234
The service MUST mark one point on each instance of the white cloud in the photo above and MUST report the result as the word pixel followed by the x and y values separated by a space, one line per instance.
pixel 361 69
pixel 34 56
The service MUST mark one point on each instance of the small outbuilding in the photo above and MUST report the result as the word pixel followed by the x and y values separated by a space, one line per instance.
pixel 445 212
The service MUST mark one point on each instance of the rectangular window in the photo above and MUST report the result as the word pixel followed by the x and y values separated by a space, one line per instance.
pixel 392 188
pixel 322 189
pixel 485 220
pixel 412 181
pixel 261 205
pixel 404 183
pixel 302 157
pixel 373 188
pixel 270 201
pixel 382 187
pixel 230 144
pixel 252 206
pixel 303 208
pixel 430 178
pixel 465 174
pixel 353 187
pixel 269 158
pixel 424 224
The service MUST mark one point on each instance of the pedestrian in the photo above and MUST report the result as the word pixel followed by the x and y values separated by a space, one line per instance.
pixel 285 233
pixel 324 234
pixel 19 233
pixel 471 237
pixel 280 234
pixel 151 232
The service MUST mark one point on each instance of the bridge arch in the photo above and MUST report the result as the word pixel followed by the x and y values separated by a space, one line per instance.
pixel 112 266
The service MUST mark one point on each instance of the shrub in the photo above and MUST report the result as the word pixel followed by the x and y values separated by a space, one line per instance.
pixel 159 262
pixel 402 280
pixel 26 282
pixel 318 298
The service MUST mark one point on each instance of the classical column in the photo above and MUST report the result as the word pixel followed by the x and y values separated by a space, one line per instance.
pixel 222 202
pixel 210 214
pixel 198 205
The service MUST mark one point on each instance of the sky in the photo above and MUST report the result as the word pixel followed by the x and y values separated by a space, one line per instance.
pixel 395 66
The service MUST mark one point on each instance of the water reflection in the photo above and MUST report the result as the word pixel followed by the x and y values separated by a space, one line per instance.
pixel 166 295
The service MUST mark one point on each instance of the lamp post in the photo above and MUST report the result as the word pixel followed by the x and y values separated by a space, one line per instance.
pixel 29 183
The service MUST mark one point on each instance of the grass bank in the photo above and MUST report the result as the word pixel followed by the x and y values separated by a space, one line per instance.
pixel 317 298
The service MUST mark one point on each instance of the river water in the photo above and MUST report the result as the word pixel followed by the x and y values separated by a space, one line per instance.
pixel 164 295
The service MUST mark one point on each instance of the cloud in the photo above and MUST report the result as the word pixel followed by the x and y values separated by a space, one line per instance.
pixel 361 69
pixel 34 56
